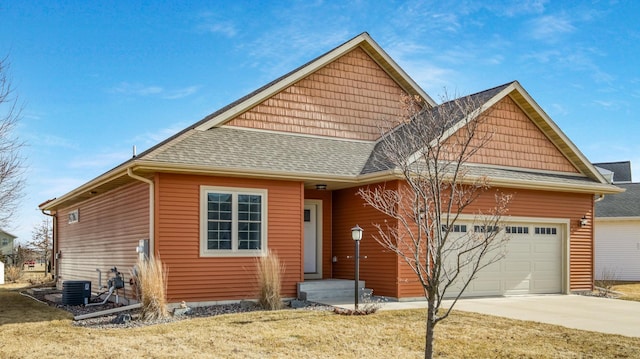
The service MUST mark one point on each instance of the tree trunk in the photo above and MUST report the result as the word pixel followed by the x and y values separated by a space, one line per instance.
pixel 431 316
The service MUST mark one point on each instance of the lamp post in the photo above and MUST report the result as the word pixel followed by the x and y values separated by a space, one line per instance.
pixel 356 235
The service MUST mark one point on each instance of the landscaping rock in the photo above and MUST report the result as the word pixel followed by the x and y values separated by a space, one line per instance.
pixel 181 311
pixel 122 318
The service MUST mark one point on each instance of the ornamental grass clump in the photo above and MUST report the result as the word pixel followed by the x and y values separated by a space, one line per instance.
pixel 13 273
pixel 269 277
pixel 151 280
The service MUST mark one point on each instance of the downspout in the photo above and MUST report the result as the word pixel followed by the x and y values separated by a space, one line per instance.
pixel 54 255
pixel 151 208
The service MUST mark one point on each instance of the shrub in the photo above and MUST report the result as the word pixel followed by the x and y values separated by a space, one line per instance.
pixel 609 278
pixel 269 277
pixel 13 273
pixel 151 280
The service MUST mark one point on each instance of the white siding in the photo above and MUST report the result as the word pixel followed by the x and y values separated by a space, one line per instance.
pixel 617 247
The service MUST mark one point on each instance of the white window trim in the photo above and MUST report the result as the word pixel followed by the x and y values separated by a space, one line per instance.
pixel 234 252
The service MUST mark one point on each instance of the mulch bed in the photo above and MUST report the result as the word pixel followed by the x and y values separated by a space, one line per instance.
pixel 131 318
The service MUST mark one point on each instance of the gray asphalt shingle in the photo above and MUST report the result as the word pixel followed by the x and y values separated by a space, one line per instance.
pixel 625 204
pixel 235 148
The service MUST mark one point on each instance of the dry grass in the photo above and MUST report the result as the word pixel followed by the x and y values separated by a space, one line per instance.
pixel 297 334
pixel 151 279
pixel 631 290
pixel 12 273
pixel 269 278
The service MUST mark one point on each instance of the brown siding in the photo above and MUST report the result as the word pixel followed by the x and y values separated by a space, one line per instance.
pixel 194 278
pixel 349 98
pixel 106 235
pixel 517 142
pixel 380 269
pixel 327 253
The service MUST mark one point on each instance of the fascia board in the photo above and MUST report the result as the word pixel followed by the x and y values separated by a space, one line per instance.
pixel 96 182
pixel 617 219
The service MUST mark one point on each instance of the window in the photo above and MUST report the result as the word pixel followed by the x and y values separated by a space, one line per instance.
pixel 233 221
pixel 5 242
pixel 517 230
pixel 485 229
pixel 455 228
pixel 545 230
pixel 74 216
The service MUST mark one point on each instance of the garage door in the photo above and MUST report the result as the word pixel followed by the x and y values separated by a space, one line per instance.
pixel 532 263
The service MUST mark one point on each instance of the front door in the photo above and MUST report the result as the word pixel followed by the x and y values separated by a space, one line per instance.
pixel 312 217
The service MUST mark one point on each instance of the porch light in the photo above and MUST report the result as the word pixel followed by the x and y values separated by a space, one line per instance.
pixel 321 186
pixel 584 221
pixel 356 233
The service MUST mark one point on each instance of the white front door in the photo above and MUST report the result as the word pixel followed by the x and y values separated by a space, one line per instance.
pixel 312 217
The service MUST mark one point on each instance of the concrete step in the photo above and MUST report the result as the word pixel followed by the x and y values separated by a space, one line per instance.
pixel 319 290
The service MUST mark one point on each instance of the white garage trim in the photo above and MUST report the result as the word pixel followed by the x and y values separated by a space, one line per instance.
pixel 562 223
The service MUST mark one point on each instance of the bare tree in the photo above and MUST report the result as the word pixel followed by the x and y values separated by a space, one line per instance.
pixel 42 242
pixel 11 163
pixel 430 148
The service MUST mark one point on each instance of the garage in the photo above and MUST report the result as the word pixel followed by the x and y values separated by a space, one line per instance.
pixel 532 263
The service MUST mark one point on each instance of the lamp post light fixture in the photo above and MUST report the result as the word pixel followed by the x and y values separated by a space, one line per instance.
pixel 356 235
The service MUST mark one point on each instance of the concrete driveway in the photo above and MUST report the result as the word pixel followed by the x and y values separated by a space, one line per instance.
pixel 603 315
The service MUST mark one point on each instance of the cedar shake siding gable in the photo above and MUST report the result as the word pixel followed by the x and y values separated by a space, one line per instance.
pixel 515 141
pixel 352 97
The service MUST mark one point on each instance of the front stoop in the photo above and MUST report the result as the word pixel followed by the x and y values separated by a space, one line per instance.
pixel 330 289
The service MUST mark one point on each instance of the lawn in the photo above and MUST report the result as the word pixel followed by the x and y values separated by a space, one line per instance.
pixel 31 329
pixel 631 290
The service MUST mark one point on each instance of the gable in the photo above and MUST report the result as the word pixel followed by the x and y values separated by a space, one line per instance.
pixel 517 142
pixel 351 97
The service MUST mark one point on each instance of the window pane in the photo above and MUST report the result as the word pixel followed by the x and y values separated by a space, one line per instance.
pixel 249 221
pixel 219 221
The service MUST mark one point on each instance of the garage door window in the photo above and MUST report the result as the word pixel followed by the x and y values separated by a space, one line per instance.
pixel 460 228
pixel 546 230
pixel 517 230
pixel 485 229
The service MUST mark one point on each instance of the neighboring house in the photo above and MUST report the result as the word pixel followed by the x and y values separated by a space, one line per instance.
pixel 6 246
pixel 279 169
pixel 617 230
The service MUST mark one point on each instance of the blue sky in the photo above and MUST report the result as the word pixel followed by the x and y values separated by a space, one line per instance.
pixel 97 78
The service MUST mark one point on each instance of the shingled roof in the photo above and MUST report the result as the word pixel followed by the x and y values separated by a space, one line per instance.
pixel 621 170
pixel 378 160
pixel 625 204
pixel 251 150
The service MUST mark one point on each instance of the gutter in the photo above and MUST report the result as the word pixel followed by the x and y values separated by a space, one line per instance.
pixel 54 254
pixel 151 208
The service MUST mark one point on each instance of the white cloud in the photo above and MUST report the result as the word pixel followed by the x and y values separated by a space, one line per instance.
pixel 152 138
pixel 211 22
pixel 180 93
pixel 101 161
pixel 137 89
pixel 225 28
pixel 550 28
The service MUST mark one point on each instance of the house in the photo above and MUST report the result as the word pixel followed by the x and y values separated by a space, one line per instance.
pixel 617 230
pixel 279 169
pixel 6 246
